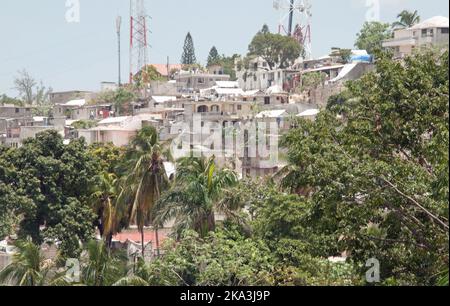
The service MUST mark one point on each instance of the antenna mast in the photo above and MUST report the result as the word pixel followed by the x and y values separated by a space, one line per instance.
pixel 138 37
pixel 298 12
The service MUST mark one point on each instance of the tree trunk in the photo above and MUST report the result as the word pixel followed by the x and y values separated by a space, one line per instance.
pixel 109 241
pixel 157 241
pixel 143 244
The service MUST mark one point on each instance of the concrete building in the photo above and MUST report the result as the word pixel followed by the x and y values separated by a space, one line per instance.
pixel 432 32
pixel 64 96
pixel 13 111
pixel 119 130
pixel 80 110
pixel 195 81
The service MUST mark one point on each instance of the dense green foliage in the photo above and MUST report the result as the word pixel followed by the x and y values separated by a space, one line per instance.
pixel 277 50
pixel 376 176
pixel 194 199
pixel 51 183
pixel 372 35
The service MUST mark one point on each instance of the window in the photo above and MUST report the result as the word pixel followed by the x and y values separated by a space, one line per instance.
pixel 239 107
pixel 244 99
pixel 444 30
pixel 424 32
pixel 202 109
pixel 266 100
pixel 17 110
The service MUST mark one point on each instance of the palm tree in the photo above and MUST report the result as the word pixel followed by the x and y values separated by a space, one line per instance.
pixel 195 196
pixel 111 215
pixel 407 19
pixel 99 267
pixel 144 182
pixel 30 268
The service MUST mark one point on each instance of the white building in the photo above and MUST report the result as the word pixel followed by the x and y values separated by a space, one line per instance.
pixel 432 32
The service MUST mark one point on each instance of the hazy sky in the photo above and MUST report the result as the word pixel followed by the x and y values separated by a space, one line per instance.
pixel 34 35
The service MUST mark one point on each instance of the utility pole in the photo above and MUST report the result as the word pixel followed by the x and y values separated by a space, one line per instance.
pixel 118 26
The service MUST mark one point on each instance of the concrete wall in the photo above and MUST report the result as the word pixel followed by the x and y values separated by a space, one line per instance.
pixel 200 80
pixel 63 97
pixel 15 112
pixel 158 88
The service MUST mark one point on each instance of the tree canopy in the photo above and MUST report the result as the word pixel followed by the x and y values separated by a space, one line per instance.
pixel 372 35
pixel 51 183
pixel 407 19
pixel 277 50
pixel 188 57
pixel 373 171
pixel 213 57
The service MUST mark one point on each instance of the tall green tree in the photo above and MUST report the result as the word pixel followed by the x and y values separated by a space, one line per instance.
pixel 56 179
pixel 407 19
pixel 111 216
pixel 194 198
pixel 277 50
pixel 373 172
pixel 372 35
pixel 144 181
pixel 99 267
pixel 188 56
pixel 213 57
pixel 30 268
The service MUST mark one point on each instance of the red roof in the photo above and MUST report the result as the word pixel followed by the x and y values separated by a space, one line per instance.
pixel 135 236
pixel 162 68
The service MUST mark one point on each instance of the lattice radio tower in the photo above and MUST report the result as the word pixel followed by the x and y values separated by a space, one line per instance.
pixel 295 21
pixel 138 37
